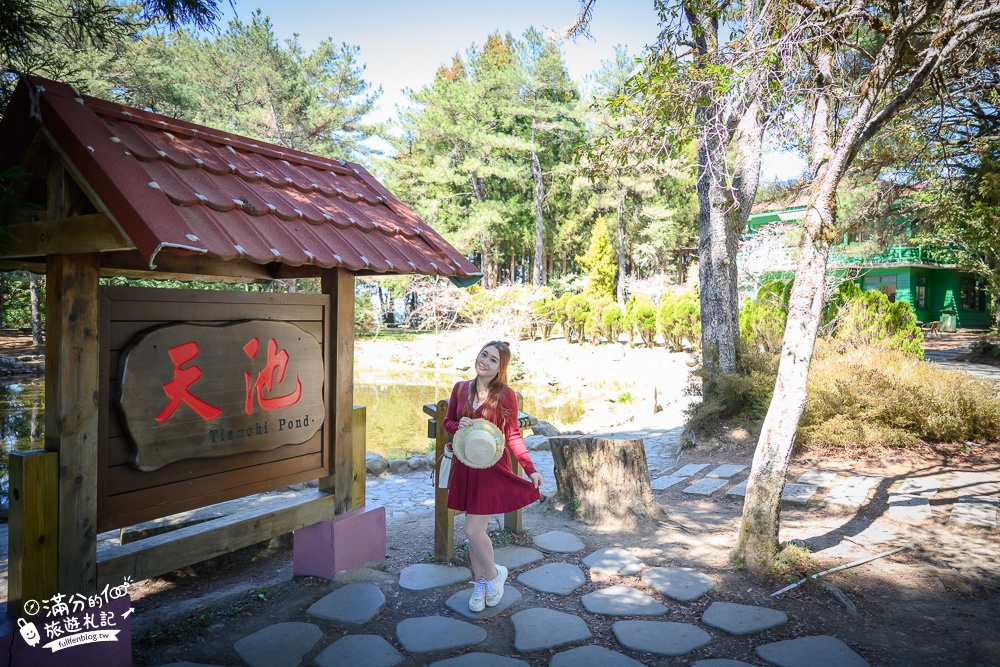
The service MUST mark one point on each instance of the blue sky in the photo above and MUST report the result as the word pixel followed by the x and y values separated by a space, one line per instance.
pixel 404 42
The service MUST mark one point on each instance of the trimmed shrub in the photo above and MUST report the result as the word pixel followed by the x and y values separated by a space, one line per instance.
pixel 577 314
pixel 762 321
pixel 640 317
pixel 871 319
pixel 607 318
pixel 680 317
pixel 561 316
pixel 545 317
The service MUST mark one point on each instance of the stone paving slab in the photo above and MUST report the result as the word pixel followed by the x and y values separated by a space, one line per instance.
pixel 720 662
pixel 821 478
pixel 477 660
pixel 423 576
pixel 919 486
pixel 515 557
pixel 621 600
pixel 798 494
pixel 557 578
pixel 706 486
pixel 909 508
pixel 359 651
pixel 661 483
pixel 354 603
pixel 459 603
pixel 742 619
pixel 537 629
pixel 974 484
pixel 679 583
pixel 660 637
pixel 613 561
pixel 975 511
pixel 852 492
pixel 592 656
pixel 278 645
pixel 436 633
pixel 738 490
pixel 558 541
pixel 727 470
pixel 816 651
pixel 690 469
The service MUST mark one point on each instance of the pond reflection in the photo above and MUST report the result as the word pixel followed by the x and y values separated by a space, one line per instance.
pixel 397 424
pixel 22 422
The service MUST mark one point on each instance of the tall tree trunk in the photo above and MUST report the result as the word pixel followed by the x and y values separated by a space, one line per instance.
pixel 620 291
pixel 538 269
pixel 757 542
pixel 36 310
pixel 716 243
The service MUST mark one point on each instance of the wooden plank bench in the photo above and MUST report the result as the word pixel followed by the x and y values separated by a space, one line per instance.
pixel 444 518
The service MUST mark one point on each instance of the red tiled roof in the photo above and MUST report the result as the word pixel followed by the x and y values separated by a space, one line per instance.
pixel 173 186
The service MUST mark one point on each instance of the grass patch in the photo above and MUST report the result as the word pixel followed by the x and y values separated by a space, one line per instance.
pixel 861 400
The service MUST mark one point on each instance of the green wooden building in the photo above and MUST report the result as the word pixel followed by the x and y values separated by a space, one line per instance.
pixel 927 278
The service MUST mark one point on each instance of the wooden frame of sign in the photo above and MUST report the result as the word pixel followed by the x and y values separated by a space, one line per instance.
pixel 148 469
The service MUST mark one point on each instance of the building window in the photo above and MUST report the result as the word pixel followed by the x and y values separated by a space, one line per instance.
pixel 884 284
pixel 920 292
pixel 972 295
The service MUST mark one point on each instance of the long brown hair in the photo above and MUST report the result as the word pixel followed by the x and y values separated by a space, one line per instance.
pixel 492 407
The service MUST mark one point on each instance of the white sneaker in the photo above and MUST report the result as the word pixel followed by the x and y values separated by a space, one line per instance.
pixel 494 589
pixel 478 600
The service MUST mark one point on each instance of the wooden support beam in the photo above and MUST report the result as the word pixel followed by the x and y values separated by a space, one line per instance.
pixel 189 267
pixel 167 552
pixel 72 386
pixel 359 435
pixel 33 525
pixel 82 234
pixel 339 340
pixel 444 518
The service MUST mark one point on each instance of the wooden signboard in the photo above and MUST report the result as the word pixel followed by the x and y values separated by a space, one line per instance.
pixel 197 391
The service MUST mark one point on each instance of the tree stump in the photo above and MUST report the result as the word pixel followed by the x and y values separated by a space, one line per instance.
pixel 605 483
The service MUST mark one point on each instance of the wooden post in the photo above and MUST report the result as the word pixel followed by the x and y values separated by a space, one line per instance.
pixel 512 520
pixel 33 525
pixel 444 518
pixel 72 385
pixel 339 340
pixel 359 436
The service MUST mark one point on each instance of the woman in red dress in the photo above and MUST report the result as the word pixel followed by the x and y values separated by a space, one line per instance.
pixel 481 493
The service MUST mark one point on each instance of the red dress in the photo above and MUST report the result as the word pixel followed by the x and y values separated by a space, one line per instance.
pixel 496 489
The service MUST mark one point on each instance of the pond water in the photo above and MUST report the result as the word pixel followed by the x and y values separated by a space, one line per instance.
pixel 397 425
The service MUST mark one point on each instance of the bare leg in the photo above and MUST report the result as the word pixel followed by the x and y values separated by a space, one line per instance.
pixel 480 546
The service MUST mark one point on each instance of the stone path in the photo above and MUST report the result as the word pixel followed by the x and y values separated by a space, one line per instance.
pixel 341 627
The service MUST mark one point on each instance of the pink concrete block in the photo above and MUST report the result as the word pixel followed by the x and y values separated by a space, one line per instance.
pixel 346 541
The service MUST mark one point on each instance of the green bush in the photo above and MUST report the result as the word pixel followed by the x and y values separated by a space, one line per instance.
pixel 600 262
pixel 545 316
pixel 871 319
pixel 745 394
pixel 680 317
pixel 607 318
pixel 762 321
pixel 577 314
pixel 985 347
pixel 561 316
pixel 640 318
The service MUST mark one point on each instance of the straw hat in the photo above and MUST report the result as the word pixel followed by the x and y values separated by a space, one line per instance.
pixel 478 445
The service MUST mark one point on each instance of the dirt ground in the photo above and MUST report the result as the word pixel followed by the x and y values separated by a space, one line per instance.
pixel 935 603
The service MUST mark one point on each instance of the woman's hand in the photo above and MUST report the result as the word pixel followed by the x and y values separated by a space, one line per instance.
pixel 464 421
pixel 536 479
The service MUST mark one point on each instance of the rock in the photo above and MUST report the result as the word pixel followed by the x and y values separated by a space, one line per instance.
pixel 537 442
pixel 375 464
pixel 418 462
pixel 397 466
pixel 545 428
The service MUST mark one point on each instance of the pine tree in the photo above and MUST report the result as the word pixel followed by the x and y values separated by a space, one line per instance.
pixel 599 261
